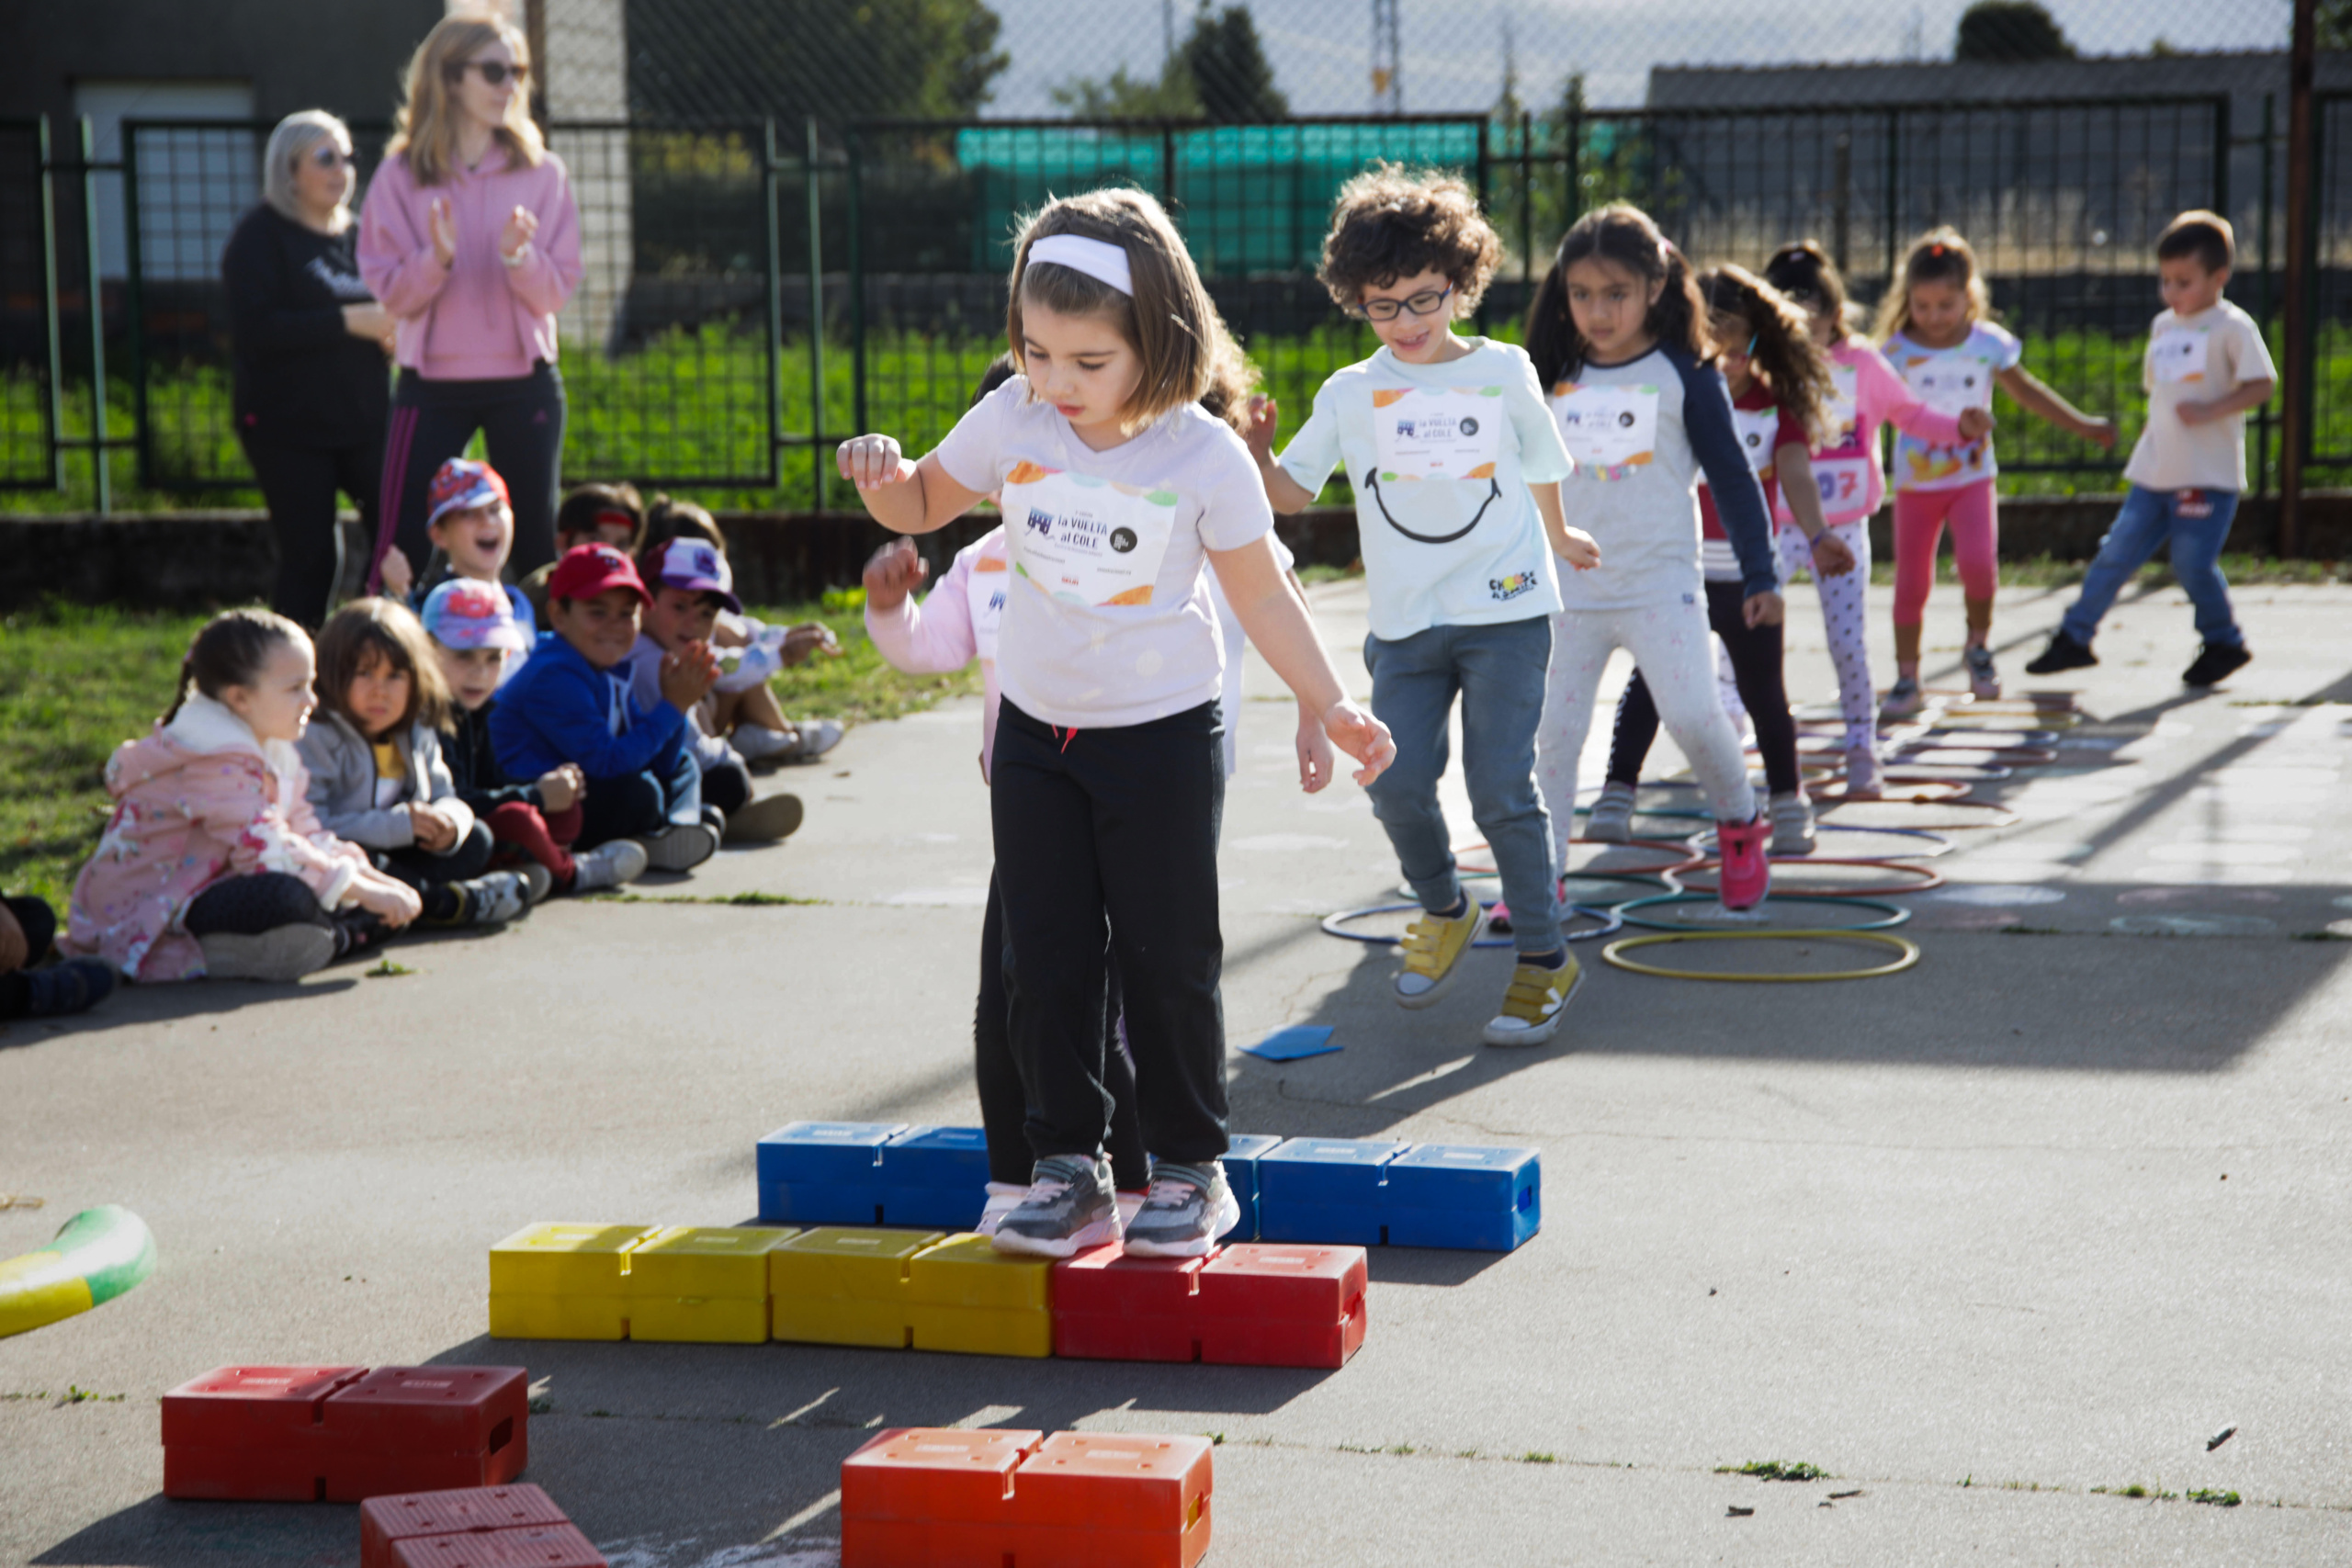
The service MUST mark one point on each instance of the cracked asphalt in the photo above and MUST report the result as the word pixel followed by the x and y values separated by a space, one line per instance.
pixel 1987 1242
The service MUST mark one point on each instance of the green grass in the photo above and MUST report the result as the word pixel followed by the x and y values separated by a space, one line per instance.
pixel 1774 1469
pixel 76 682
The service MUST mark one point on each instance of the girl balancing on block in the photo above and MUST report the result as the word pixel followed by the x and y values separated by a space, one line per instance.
pixel 1107 780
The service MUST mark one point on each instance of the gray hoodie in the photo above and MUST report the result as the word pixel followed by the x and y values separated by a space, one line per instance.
pixel 343 783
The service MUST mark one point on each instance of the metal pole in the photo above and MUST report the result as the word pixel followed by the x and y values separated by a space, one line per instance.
pixel 56 329
pixel 98 465
pixel 1526 199
pixel 773 164
pixel 2302 173
pixel 135 306
pixel 2263 305
pixel 1480 318
pixel 856 283
pixel 816 324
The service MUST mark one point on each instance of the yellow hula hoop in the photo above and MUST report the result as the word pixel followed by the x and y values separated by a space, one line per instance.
pixel 1615 955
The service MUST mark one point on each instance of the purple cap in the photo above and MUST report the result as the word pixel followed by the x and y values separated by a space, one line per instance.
pixel 696 564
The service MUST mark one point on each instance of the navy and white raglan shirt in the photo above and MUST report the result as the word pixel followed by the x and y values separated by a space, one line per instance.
pixel 1642 432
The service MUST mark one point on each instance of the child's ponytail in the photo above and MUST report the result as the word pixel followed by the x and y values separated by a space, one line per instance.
pixel 231 651
pixel 1625 237
pixel 1679 317
pixel 1552 339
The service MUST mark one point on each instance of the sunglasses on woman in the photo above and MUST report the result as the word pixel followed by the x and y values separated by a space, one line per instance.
pixel 331 158
pixel 495 71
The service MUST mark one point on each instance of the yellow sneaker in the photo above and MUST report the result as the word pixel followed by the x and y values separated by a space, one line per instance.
pixel 1533 1003
pixel 1433 948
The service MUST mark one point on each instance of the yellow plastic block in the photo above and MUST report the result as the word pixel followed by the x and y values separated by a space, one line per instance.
pixel 716 1320
pixel 519 1315
pixel 835 1286
pixel 564 1260
pixel 982 1331
pixel 968 1271
pixel 706 1262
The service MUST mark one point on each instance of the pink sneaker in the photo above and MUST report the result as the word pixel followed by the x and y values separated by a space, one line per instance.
pixel 1745 876
pixel 1498 917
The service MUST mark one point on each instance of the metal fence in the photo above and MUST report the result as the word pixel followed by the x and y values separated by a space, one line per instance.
pixel 2329 368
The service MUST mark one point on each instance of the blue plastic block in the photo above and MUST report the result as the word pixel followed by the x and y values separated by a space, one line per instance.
pixel 1465 1196
pixel 1325 1171
pixel 834 1154
pixel 819 1203
pixel 1464 1230
pixel 1241 1156
pixel 1329 1224
pixel 935 1178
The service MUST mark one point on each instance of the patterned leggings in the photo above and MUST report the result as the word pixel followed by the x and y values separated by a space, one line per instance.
pixel 1842 616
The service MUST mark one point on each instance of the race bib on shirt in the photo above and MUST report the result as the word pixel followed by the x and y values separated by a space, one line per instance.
pixel 1845 400
pixel 2179 356
pixel 1088 541
pixel 1949 384
pixel 984 588
pixel 1845 483
pixel 1427 432
pixel 1755 428
pixel 1611 431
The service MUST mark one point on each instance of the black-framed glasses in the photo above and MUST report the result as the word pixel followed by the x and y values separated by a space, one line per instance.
pixel 1420 304
pixel 332 157
pixel 495 71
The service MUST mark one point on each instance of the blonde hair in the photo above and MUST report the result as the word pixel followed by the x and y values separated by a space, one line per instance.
pixel 291 142
pixel 424 128
pixel 1939 255
pixel 1169 321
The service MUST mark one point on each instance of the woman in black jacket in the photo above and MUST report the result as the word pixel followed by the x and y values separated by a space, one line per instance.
pixel 313 387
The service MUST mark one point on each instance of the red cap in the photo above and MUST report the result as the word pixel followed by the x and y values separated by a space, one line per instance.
pixel 587 571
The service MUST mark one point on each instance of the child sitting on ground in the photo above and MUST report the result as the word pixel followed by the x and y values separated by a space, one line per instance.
pixel 572 703
pixel 691 586
pixel 472 630
pixel 744 711
pixel 213 861
pixel 376 777
pixel 591 514
pixel 471 525
pixel 28 930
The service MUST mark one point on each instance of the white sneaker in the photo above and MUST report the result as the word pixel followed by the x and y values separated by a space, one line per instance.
pixel 1003 1198
pixel 608 865
pixel 682 846
pixel 1610 821
pixel 1792 829
pixel 537 882
pixel 758 743
pixel 282 954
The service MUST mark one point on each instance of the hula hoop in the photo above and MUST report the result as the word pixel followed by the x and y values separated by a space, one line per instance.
pixel 1333 925
pixel 2004 816
pixel 100 1254
pixel 1918 792
pixel 1936 844
pixel 1895 914
pixel 1930 877
pixel 1900 771
pixel 1686 857
pixel 1615 955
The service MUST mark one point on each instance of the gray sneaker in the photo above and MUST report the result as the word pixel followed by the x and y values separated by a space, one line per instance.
pixel 1983 678
pixel 493 899
pixel 1070 1206
pixel 607 865
pixel 1902 699
pixel 680 846
pixel 1792 830
pixel 1188 1208
pixel 1610 821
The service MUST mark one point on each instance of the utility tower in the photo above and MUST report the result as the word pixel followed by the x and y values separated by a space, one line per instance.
pixel 1388 89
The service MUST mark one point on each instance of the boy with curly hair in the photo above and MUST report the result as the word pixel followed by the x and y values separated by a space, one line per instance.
pixel 1457 465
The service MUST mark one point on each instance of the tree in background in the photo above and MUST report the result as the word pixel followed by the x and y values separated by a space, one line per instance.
pixel 1121 96
pixel 840 60
pixel 2009 32
pixel 1220 72
pixel 2335 19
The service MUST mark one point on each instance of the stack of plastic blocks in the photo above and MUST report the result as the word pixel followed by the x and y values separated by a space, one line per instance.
pixel 1251 1305
pixel 694 1283
pixel 926 1498
pixel 895 1288
pixel 341 1434
pixel 489 1526
pixel 873 1173
pixel 1448 1195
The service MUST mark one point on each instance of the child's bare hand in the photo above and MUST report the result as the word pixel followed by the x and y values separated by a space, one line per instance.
pixel 1975 424
pixel 2099 432
pixel 895 571
pixel 1313 748
pixel 1584 551
pixel 688 674
pixel 560 788
pixel 1265 420
pixel 397 575
pixel 1832 557
pixel 1766 609
pixel 1360 736
pixel 395 903
pixel 432 831
pixel 807 638
pixel 869 462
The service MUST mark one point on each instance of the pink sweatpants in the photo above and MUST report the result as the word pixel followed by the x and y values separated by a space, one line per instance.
pixel 1919 516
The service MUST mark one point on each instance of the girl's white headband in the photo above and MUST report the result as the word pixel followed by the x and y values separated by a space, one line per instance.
pixel 1099 259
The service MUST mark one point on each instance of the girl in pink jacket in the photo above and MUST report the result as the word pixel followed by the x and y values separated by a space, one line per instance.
pixel 470 238
pixel 213 863
pixel 1845 468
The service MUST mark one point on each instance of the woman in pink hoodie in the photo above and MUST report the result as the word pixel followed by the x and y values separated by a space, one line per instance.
pixel 470 239
pixel 213 863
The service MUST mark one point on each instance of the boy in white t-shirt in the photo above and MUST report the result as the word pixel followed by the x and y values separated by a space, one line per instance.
pixel 1457 465
pixel 2206 366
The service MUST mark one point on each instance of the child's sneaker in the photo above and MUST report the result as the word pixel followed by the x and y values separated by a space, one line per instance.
pixel 1131 1200
pixel 607 865
pixel 1610 821
pixel 1903 699
pixel 1433 947
pixel 1863 780
pixel 1499 918
pixel 1745 876
pixel 1069 1207
pixel 1533 1003
pixel 281 954
pixel 356 933
pixel 1003 1197
pixel 770 819
pixel 537 882
pixel 77 984
pixel 1188 1208
pixel 2063 653
pixel 1983 680
pixel 682 846
pixel 1793 832
pixel 2214 664
pixel 492 900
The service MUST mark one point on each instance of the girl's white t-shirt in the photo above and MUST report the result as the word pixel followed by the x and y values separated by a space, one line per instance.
pixel 1107 621
pixel 1950 380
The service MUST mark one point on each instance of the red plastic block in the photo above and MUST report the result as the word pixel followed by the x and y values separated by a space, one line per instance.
pixel 545 1546
pixel 1262 1304
pixel 251 1407
pixel 427 1429
pixel 900 1543
pixel 244 1475
pixel 383 1520
pixel 935 1476
pixel 1113 1500
pixel 1111 1307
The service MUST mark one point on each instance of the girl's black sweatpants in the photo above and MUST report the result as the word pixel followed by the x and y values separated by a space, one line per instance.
pixel 521 421
pixel 1756 668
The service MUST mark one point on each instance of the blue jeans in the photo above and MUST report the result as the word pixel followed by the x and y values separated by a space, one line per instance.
pixel 1499 672
pixel 2147 519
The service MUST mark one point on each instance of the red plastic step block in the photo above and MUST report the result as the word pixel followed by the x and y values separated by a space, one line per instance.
pixel 932 1498
pixel 1265 1305
pixel 1113 1500
pixel 383 1520
pixel 427 1429
pixel 251 1434
pixel 546 1546
pixel 1111 1307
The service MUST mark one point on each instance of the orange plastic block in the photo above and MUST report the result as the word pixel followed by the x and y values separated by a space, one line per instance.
pixel 1269 1305
pixel 383 1520
pixel 1113 1500
pixel 938 1475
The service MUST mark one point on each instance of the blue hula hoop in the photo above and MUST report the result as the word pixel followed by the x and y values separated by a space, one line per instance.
pixel 1894 915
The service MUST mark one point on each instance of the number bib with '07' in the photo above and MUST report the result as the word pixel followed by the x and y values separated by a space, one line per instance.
pixel 1085 540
